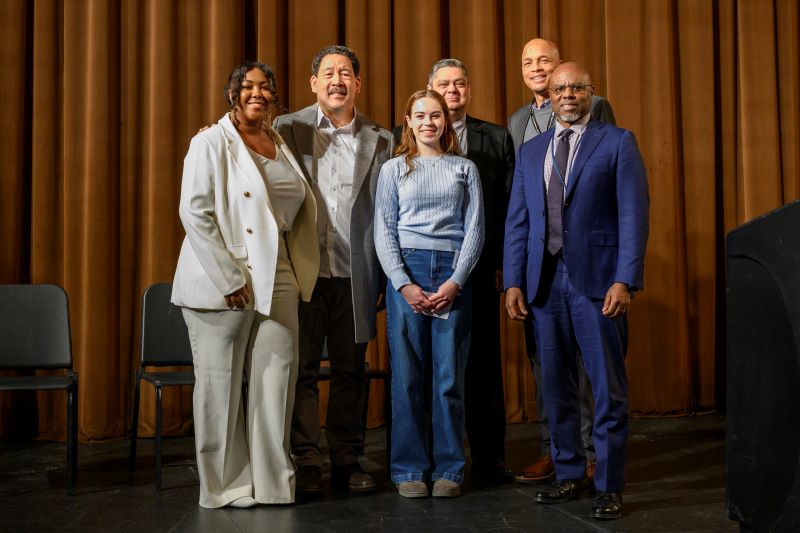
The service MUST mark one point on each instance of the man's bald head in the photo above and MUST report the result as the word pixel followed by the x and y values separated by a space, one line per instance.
pixel 570 92
pixel 539 58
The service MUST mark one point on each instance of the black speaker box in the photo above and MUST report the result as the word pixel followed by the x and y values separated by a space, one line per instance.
pixel 763 372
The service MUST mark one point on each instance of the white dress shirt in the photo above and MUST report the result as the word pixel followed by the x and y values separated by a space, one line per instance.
pixel 334 163
pixel 460 126
pixel 578 128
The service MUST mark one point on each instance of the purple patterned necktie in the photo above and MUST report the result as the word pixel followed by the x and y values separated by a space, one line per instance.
pixel 555 193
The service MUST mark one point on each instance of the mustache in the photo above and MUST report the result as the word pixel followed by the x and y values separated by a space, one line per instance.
pixel 338 90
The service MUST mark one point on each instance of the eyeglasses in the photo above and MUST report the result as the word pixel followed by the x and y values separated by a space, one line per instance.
pixel 577 88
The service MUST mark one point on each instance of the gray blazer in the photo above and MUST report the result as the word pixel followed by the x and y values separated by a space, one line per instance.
pixel 601 110
pixel 374 148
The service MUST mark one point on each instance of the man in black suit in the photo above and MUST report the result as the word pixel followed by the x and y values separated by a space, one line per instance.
pixel 490 147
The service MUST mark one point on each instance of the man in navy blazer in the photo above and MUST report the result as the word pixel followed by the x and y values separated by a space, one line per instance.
pixel 575 240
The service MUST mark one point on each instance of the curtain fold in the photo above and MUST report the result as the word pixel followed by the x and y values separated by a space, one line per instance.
pixel 104 97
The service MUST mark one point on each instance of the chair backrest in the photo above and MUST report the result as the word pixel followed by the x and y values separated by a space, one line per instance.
pixel 34 327
pixel 165 339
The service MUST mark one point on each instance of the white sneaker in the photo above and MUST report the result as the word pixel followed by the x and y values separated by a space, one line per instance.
pixel 245 502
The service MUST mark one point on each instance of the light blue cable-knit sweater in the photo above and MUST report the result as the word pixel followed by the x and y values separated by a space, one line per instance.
pixel 438 206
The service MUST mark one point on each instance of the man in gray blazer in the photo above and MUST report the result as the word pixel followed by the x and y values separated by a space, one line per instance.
pixel 340 152
pixel 539 58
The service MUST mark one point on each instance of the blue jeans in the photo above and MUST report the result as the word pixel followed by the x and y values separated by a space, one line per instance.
pixel 414 340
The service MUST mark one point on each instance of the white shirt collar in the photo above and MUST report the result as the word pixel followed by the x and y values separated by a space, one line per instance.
pixel 324 123
pixel 577 126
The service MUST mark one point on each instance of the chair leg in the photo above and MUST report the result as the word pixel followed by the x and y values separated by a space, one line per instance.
pixel 387 415
pixel 158 438
pixel 71 400
pixel 135 420
pixel 75 431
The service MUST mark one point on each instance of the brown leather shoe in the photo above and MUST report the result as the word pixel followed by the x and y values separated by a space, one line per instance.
pixel 352 478
pixel 591 466
pixel 541 470
pixel 308 480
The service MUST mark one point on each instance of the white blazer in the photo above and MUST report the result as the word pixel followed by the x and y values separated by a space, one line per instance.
pixel 231 233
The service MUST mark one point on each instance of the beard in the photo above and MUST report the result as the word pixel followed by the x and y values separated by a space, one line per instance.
pixel 569 118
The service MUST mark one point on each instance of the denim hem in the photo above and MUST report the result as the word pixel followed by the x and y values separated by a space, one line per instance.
pixel 458 478
pixel 403 478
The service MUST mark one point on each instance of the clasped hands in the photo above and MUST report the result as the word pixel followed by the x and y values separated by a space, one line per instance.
pixel 416 299
pixel 239 298
pixel 617 300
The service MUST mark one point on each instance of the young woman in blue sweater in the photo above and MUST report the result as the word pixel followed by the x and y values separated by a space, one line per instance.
pixel 428 235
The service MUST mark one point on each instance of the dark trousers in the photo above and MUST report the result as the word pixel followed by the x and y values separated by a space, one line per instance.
pixel 584 395
pixel 484 400
pixel 329 315
pixel 566 320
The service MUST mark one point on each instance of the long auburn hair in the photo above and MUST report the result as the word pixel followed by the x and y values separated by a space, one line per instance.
pixel 408 143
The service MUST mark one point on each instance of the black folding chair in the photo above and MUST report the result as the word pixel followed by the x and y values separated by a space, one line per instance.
pixel 165 342
pixel 35 335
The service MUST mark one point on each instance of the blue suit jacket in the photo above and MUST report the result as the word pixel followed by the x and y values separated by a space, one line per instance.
pixel 605 217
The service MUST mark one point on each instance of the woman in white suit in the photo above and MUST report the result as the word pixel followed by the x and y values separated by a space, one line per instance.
pixel 249 254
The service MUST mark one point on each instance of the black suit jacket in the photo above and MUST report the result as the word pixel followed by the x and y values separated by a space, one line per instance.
pixel 489 146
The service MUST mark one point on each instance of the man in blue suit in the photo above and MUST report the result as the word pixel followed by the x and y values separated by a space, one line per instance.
pixel 575 240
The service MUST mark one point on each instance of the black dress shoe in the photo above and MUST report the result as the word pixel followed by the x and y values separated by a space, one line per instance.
pixel 308 479
pixel 607 506
pixel 492 473
pixel 351 477
pixel 564 491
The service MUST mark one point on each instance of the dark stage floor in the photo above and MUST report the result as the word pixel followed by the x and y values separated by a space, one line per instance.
pixel 675 476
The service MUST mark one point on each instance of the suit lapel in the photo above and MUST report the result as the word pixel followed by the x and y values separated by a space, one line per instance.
pixel 303 133
pixel 538 186
pixel 591 138
pixel 243 160
pixel 517 127
pixel 474 137
pixel 365 152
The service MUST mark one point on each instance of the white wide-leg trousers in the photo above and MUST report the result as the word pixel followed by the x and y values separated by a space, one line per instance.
pixel 235 459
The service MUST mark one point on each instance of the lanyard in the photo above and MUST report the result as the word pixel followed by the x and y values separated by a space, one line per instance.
pixel 532 119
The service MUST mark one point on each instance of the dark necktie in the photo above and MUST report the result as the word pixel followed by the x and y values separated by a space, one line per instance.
pixel 555 193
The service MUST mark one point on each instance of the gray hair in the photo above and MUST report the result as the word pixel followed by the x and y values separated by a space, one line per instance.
pixel 449 62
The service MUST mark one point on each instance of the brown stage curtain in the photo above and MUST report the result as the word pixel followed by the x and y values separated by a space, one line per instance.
pixel 101 99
